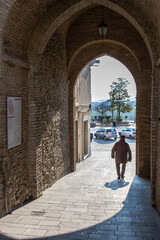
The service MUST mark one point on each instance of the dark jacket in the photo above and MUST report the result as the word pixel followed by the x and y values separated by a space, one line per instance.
pixel 121 152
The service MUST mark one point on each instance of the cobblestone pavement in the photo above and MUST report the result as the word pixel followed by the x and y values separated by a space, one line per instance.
pixel 89 204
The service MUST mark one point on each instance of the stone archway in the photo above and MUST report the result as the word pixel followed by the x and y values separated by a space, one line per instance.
pixel 126 50
pixel 41 58
pixel 121 53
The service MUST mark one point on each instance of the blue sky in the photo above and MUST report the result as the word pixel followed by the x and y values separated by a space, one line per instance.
pixel 108 71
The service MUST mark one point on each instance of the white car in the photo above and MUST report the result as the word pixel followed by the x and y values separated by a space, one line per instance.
pixel 106 133
pixel 129 132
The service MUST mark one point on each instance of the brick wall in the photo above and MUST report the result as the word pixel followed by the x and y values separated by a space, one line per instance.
pixel 54 112
pixel 133 38
pixel 14 168
pixel 155 183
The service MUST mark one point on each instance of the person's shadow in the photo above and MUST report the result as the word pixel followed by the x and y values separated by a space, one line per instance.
pixel 115 184
pixel 102 141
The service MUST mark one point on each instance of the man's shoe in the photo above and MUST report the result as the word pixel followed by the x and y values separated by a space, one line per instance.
pixel 122 177
pixel 118 178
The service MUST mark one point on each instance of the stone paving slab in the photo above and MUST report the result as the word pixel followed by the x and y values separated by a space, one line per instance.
pixel 88 204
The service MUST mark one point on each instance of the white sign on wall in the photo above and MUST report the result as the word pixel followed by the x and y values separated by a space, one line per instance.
pixel 14 121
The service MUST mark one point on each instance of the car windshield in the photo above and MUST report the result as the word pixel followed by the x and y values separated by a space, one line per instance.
pixel 110 130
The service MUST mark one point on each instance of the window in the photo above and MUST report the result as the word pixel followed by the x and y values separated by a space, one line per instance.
pixel 110 130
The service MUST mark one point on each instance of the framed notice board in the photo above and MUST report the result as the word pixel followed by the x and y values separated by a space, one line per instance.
pixel 14 116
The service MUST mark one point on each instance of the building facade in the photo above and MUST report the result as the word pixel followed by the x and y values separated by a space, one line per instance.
pixel 83 114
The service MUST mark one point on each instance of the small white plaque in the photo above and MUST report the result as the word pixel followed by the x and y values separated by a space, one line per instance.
pixel 14 121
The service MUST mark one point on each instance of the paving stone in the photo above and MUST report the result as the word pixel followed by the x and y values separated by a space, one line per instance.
pixel 128 228
pixel 49 223
pixel 148 234
pixel 125 237
pixel 100 237
pixel 61 237
pixel 32 226
pixel 149 229
pixel 81 206
pixel 79 236
pixel 54 232
pixel 35 232
pixel 87 217
pixel 105 232
pixel 67 229
pixel 125 233
pixel 20 237
pixel 10 230
pixel 29 220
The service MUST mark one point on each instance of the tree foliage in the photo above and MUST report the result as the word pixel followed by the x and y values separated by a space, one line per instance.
pixel 102 109
pixel 119 97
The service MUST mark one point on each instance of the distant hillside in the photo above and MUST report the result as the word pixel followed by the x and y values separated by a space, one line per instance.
pixel 95 103
pixel 128 116
pixel 133 102
pixel 105 101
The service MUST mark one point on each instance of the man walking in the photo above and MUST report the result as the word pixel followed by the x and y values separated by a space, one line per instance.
pixel 122 153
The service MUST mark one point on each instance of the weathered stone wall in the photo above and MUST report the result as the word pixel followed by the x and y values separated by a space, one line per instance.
pixel 143 124
pixel 2 191
pixel 156 148
pixel 54 112
pixel 13 166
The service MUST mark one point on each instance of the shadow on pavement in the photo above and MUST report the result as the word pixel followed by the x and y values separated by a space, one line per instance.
pixel 135 221
pixel 102 141
pixel 130 140
pixel 115 184
pixel 109 141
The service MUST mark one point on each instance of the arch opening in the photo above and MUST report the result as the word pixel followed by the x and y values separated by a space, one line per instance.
pixel 84 97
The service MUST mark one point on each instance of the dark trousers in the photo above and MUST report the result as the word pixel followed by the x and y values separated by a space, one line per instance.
pixel 120 174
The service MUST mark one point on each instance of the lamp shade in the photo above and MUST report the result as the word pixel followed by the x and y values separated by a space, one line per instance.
pixel 102 29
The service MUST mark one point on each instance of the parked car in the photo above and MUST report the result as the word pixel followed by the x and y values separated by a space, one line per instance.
pixel 106 133
pixel 129 132
pixel 92 124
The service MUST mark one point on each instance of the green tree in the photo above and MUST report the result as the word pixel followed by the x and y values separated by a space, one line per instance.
pixel 112 106
pixel 101 109
pixel 107 118
pixel 119 97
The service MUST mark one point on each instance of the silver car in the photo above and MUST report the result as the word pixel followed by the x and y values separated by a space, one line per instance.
pixel 106 133
pixel 129 132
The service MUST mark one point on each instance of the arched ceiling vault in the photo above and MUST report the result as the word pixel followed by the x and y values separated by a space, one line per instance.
pixel 36 26
pixel 120 32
